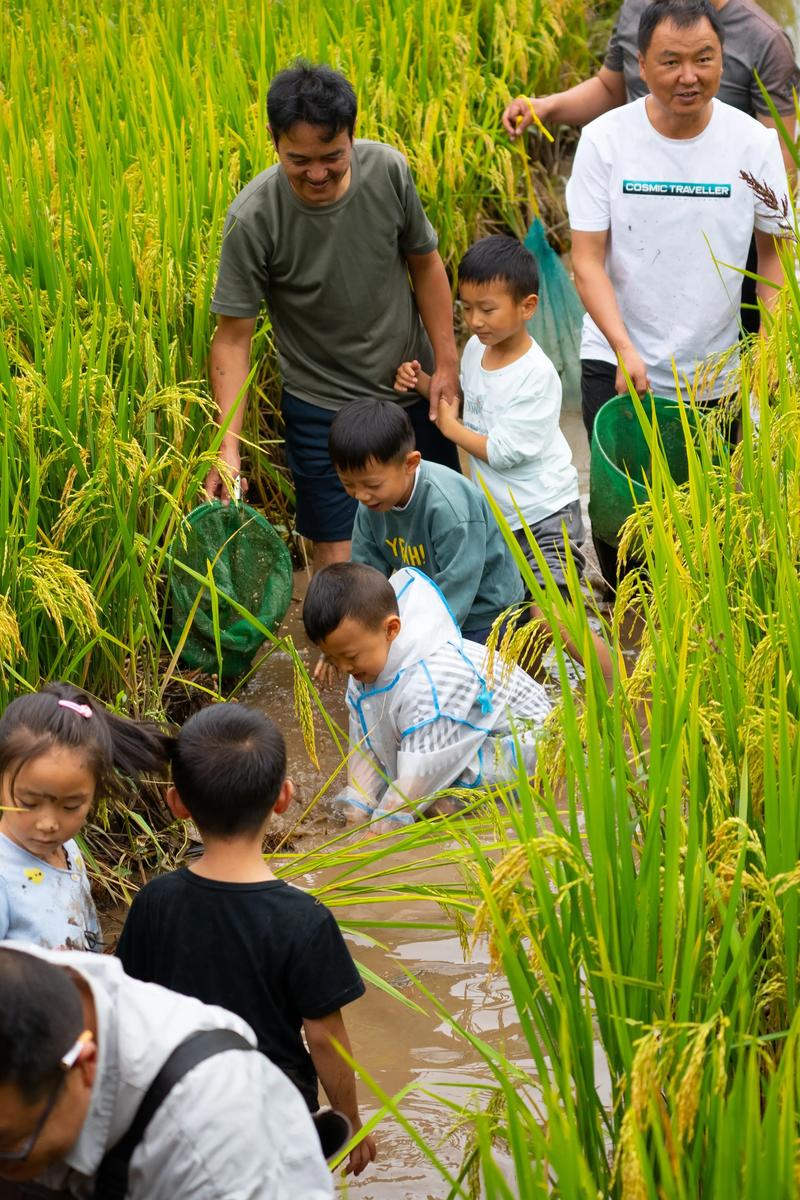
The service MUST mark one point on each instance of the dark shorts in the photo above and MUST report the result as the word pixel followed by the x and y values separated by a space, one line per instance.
pixel 481 636
pixel 324 511
pixel 549 537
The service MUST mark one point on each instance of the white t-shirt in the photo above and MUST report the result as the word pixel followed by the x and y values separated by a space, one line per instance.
pixel 518 408
pixel 671 207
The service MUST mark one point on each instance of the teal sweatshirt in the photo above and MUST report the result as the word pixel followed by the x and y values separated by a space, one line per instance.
pixel 447 530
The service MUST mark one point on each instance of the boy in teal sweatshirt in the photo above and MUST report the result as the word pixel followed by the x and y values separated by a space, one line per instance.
pixel 420 514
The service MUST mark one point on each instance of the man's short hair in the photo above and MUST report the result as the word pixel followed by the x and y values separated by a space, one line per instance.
pixel 313 93
pixel 684 14
pixel 41 1017
pixel 502 259
pixel 228 764
pixel 343 590
pixel 369 430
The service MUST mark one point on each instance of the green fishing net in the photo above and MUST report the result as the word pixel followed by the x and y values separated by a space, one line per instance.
pixel 250 564
pixel 556 324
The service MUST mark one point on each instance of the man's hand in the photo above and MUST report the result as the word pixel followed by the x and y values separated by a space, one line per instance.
pixel 326 675
pixel 518 116
pixel 634 365
pixel 215 485
pixel 361 1155
pixel 444 386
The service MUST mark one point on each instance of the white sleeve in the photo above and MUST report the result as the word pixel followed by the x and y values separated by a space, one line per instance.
pixel 588 192
pixel 528 424
pixel 365 779
pixel 260 1144
pixel 773 174
pixel 430 758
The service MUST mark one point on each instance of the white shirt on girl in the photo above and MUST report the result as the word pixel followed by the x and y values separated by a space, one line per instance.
pixel 46 905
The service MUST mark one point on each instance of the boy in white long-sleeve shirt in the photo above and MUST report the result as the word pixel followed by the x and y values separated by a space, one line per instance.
pixel 512 404
pixel 423 715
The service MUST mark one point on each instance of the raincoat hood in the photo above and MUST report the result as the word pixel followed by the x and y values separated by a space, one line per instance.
pixel 427 623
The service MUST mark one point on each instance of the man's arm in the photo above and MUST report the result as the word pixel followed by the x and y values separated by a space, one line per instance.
pixel 576 106
pixel 790 123
pixel 599 299
pixel 229 366
pixel 338 1080
pixel 769 268
pixel 435 304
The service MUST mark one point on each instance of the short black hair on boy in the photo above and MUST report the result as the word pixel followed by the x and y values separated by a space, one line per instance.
pixel 228 765
pixel 315 94
pixel 502 259
pixel 369 431
pixel 343 590
pixel 41 1018
pixel 684 14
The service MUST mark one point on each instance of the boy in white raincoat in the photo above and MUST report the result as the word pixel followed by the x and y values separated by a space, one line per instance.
pixel 422 714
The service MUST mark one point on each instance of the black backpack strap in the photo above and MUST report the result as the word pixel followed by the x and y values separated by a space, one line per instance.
pixel 111 1181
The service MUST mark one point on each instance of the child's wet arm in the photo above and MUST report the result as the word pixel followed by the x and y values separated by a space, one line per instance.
pixel 336 1076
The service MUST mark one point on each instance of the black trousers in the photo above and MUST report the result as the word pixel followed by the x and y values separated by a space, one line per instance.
pixel 598 386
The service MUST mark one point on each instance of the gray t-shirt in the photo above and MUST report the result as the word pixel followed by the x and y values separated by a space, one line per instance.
pixel 334 277
pixel 753 43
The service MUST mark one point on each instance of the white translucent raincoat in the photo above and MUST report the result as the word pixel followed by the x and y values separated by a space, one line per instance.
pixel 430 720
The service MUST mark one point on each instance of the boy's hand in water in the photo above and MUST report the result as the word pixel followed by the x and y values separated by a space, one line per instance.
pixel 410 377
pixel 361 1155
pixel 326 675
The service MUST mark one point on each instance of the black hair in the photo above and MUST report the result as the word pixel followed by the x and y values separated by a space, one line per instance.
pixel 113 746
pixel 504 259
pixel 312 93
pixel 228 765
pixel 41 1018
pixel 369 431
pixel 347 589
pixel 684 14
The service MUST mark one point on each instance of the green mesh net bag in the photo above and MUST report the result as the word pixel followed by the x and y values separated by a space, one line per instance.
pixel 250 564
pixel 556 324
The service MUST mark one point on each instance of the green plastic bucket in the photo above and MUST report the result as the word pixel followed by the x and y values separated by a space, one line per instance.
pixel 620 460
pixel 252 566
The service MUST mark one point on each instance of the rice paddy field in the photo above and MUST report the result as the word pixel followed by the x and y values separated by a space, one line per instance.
pixel 637 901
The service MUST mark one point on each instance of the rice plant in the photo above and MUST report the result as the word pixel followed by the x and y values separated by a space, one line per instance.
pixel 125 131
pixel 644 908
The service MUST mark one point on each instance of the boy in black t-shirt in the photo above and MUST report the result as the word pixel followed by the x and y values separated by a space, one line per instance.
pixel 227 931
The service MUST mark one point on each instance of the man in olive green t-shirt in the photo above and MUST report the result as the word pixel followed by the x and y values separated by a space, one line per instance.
pixel 335 241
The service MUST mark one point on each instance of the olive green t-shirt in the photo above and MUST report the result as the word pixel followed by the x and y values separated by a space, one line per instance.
pixel 333 276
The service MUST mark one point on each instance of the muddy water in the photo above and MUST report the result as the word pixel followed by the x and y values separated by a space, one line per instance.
pixel 395 1044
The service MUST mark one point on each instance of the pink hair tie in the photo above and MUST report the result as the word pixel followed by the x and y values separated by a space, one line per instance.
pixel 82 710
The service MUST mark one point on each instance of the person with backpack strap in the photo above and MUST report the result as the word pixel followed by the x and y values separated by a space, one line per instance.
pixel 111 1088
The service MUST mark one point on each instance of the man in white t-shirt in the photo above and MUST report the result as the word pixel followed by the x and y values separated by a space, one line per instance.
pixel 662 219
